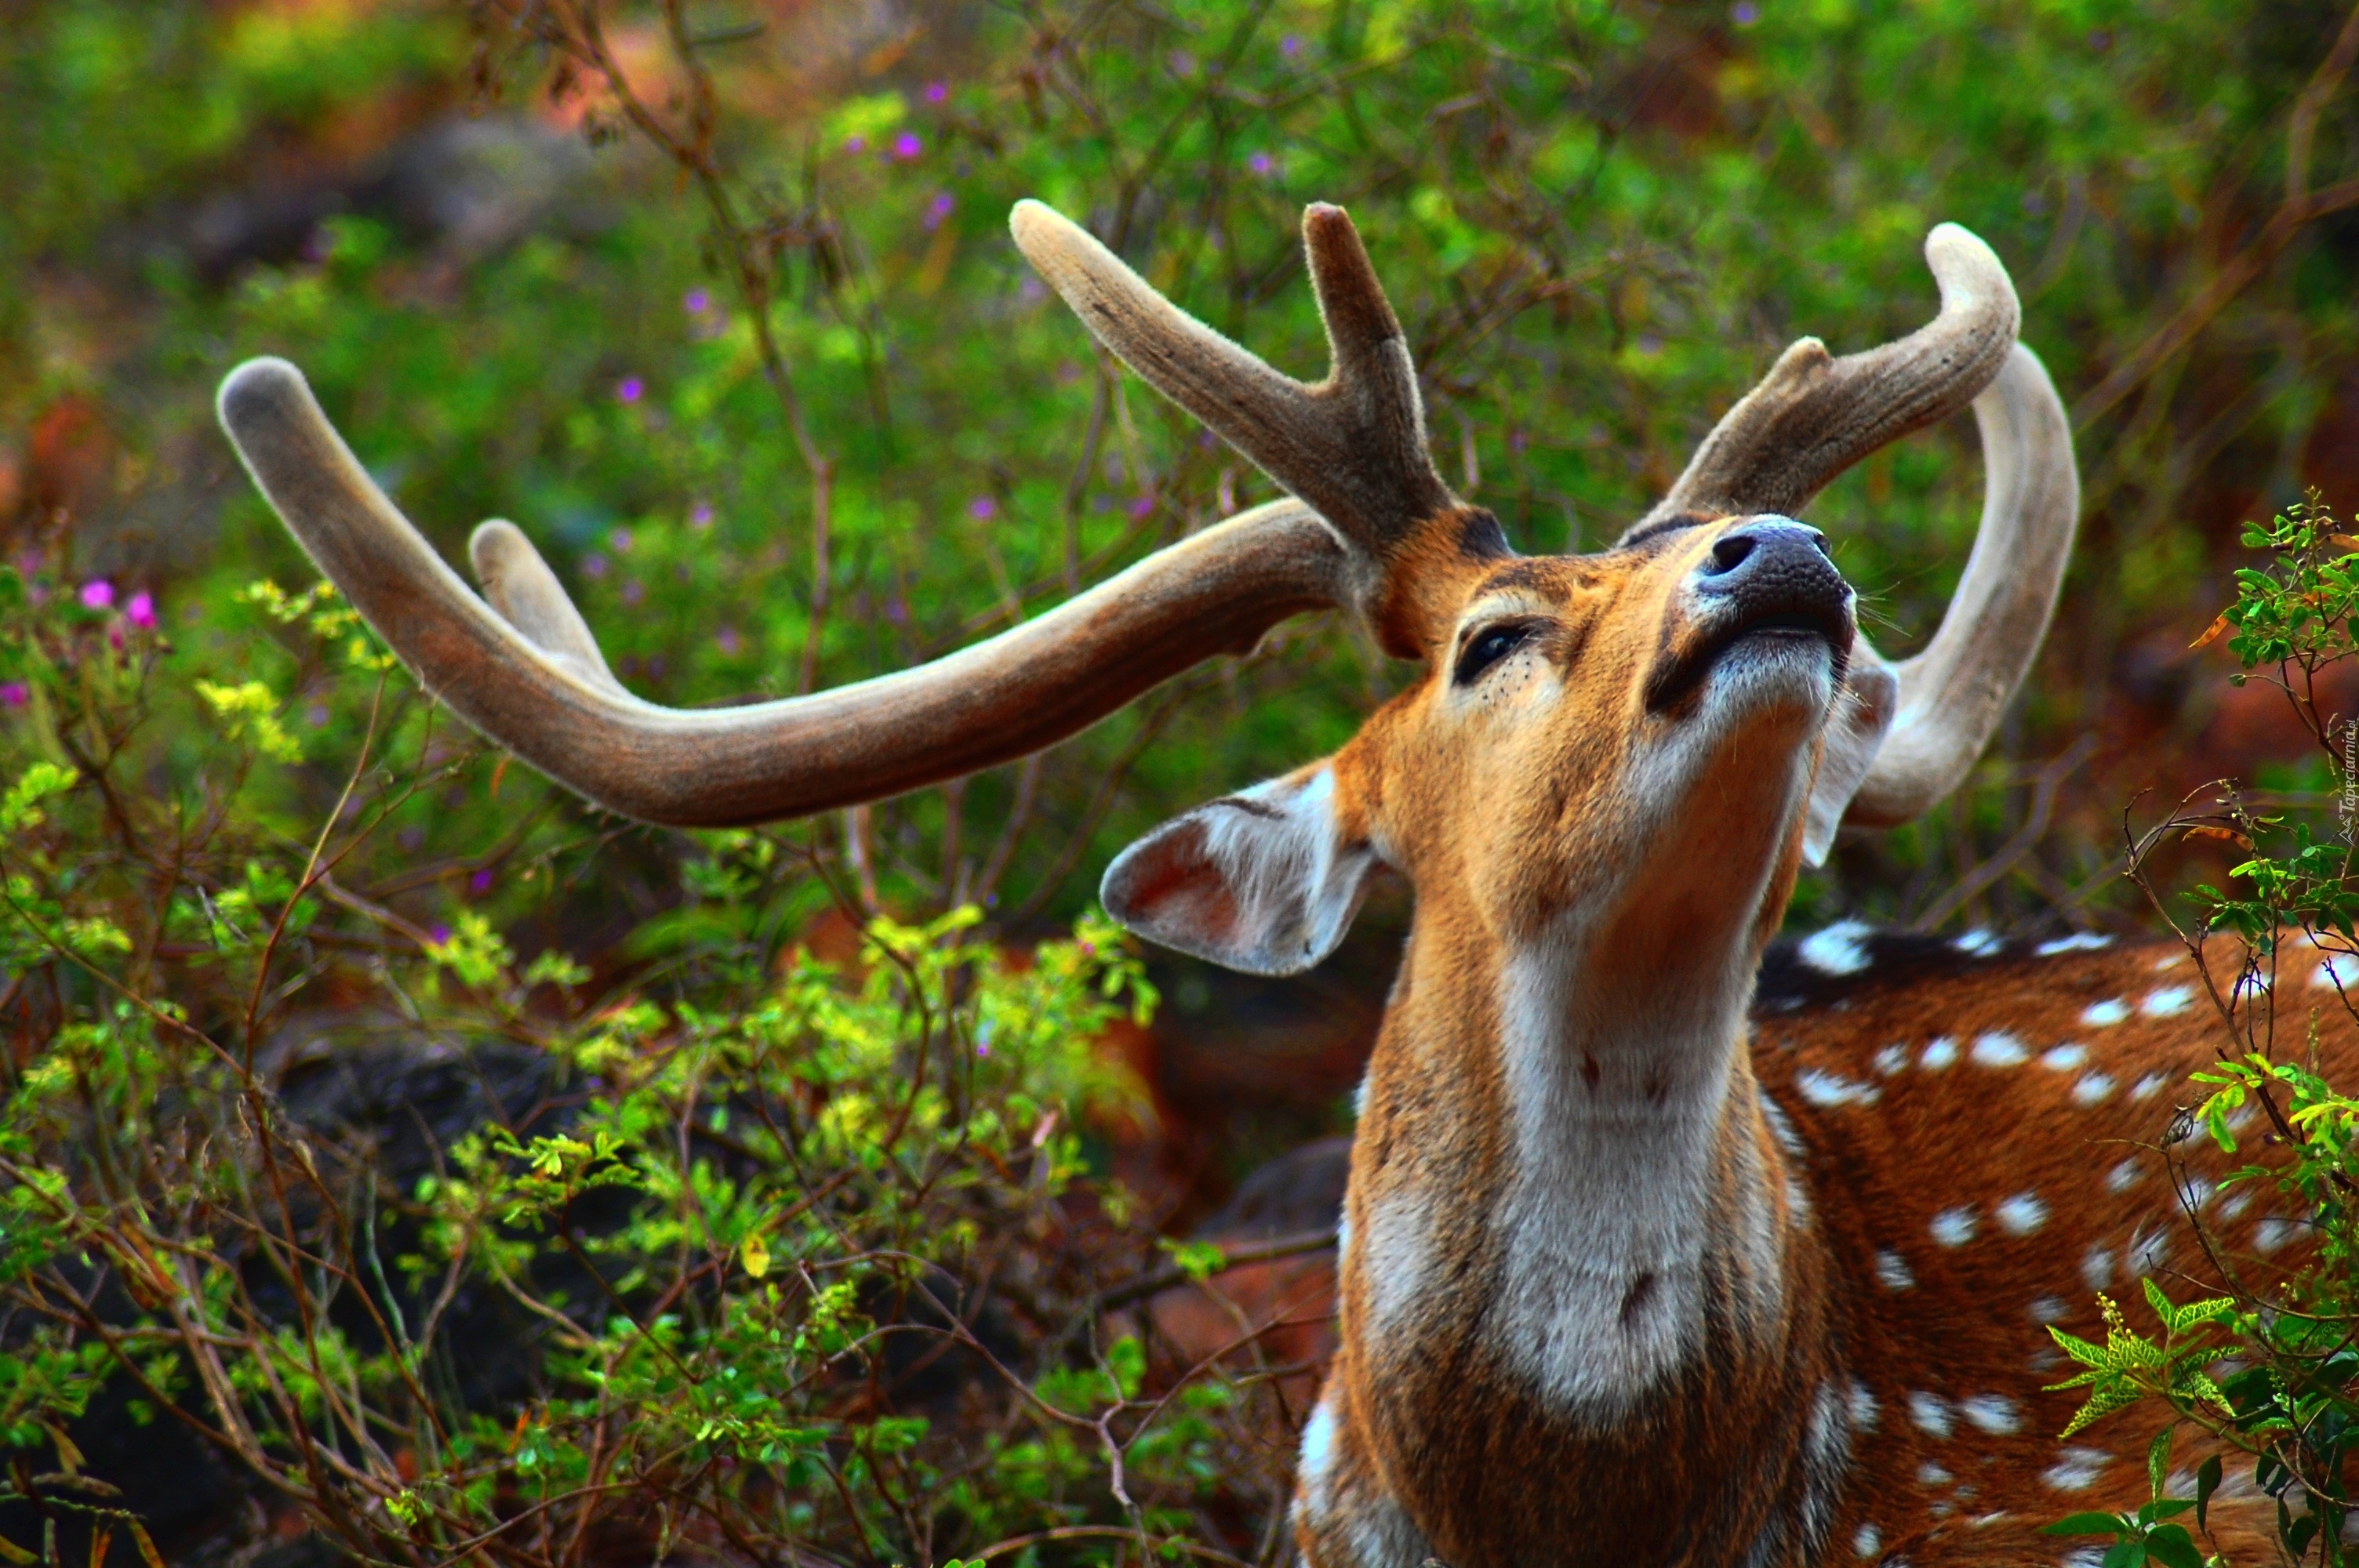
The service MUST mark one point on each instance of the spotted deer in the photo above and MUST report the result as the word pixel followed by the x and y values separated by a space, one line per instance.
pixel 1634 1270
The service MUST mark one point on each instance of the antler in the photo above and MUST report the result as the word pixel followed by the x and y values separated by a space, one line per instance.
pixel 1352 445
pixel 1923 721
pixel 1952 695
pixel 525 671
pixel 1813 416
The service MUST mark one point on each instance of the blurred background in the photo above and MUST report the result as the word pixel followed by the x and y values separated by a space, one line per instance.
pixel 717 301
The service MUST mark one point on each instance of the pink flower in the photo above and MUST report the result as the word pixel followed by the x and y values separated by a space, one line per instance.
pixel 908 146
pixel 14 694
pixel 98 594
pixel 141 611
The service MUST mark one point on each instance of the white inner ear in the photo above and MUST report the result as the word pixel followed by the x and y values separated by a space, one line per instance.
pixel 1259 880
pixel 1856 731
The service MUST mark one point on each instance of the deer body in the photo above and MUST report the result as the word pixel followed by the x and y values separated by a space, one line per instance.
pixel 1628 1279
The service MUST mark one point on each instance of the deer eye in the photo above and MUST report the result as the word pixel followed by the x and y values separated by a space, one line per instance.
pixel 1486 648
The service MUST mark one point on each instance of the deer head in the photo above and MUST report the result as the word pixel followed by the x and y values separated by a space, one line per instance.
pixel 1572 688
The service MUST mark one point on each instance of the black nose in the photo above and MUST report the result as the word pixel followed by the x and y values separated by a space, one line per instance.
pixel 1774 566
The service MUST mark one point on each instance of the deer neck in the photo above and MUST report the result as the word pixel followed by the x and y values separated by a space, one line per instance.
pixel 1568 1196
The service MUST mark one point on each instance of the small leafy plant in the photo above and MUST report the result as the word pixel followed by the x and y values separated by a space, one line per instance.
pixel 2268 1369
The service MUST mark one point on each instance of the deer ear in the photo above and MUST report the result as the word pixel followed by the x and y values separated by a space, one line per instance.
pixel 1266 881
pixel 1862 716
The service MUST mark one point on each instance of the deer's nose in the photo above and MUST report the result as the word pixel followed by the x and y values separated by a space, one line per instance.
pixel 1772 565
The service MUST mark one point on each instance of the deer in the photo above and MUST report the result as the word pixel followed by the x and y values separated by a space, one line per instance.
pixel 1652 1254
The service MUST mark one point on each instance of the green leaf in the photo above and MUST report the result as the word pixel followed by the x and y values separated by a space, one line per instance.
pixel 2157 1455
pixel 2088 1523
pixel 2207 1481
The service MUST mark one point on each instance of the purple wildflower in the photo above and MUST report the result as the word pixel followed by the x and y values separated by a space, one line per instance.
pixel 696 301
pixel 1141 505
pixel 1182 63
pixel 634 591
pixel 14 694
pixel 593 564
pixel 441 935
pixel 1744 13
pixel 938 209
pixel 481 883
pixel 728 642
pixel 983 509
pixel 1261 163
pixel 98 594
pixel 937 91
pixel 630 389
pixel 621 539
pixel 316 716
pixel 141 611
pixel 855 145
pixel 700 515
pixel 908 146
pixel 1289 46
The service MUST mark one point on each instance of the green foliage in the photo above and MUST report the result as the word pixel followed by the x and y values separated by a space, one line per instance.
pixel 2267 1369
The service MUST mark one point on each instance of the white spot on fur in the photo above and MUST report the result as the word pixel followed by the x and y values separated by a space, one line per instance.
pixel 2198 1190
pixel 2097 1267
pixel 1994 1413
pixel 2170 963
pixel 1932 1414
pixel 1932 1475
pixel 1954 1227
pixel 2105 1015
pixel 1837 950
pixel 1313 1472
pixel 1941 1053
pixel 1865 1542
pixel 2022 1214
pixel 1977 942
pixel 2146 1250
pixel 2123 1177
pixel 2272 1233
pixel 2083 1557
pixel 2093 1089
pixel 1830 1089
pixel 1998 1049
pixel 1891 1059
pixel 2064 1058
pixel 1798 1200
pixel 1781 1127
pixel 2079 942
pixel 2149 1085
pixel 1396 1254
pixel 2050 1309
pixel 1863 1407
pixel 1891 1271
pixel 2167 1003
pixel 2078 1470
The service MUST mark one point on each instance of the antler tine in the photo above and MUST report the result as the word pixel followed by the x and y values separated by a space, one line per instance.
pixel 1353 444
pixel 1952 695
pixel 1814 416
pixel 529 674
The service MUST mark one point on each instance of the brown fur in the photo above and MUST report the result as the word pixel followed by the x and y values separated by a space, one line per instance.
pixel 1525 802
